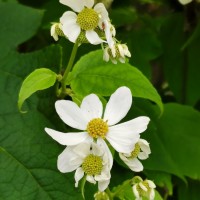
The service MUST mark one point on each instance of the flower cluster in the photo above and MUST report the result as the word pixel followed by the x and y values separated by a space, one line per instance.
pixel 88 151
pixel 89 23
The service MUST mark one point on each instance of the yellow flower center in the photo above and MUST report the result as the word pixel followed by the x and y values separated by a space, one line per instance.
pixel 97 128
pixel 88 19
pixel 92 165
pixel 136 151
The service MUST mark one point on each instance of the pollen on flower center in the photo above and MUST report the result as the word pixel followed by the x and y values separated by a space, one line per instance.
pixel 92 165
pixel 88 19
pixel 136 151
pixel 97 128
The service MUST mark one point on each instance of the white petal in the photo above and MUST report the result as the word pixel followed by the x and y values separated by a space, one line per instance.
pixel 102 185
pixel 68 17
pixel 71 114
pixel 122 60
pixel 63 163
pixel 152 195
pixel 136 193
pixel 137 125
pixel 101 10
pixel 93 37
pixel 143 156
pixel 124 136
pixel 121 50
pixel 184 2
pixel 96 150
pixel 83 149
pixel 78 175
pixel 134 164
pixel 103 144
pixel 90 179
pixel 122 141
pixel 144 145
pixel 118 105
pixel 76 5
pixel 68 138
pixel 92 107
pixel 89 3
pixel 151 184
pixel 106 55
pixel 143 187
pixel 108 34
pixel 72 32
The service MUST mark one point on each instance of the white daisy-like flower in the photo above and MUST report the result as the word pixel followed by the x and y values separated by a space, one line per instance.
pixel 87 159
pixel 144 189
pixel 141 151
pixel 115 53
pixel 56 30
pixel 184 2
pixel 97 126
pixel 87 19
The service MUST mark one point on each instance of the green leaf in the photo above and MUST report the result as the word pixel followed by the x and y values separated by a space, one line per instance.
pixel 104 78
pixel 181 65
pixel 190 191
pixel 39 79
pixel 174 141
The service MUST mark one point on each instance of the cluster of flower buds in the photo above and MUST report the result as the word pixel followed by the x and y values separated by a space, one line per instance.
pixel 89 23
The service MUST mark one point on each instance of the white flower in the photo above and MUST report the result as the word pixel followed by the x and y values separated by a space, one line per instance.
pixel 88 118
pixel 87 19
pixel 144 189
pixel 56 30
pixel 87 159
pixel 117 52
pixel 141 151
pixel 184 2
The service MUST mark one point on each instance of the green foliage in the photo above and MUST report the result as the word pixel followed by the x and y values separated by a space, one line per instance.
pixel 104 78
pixel 39 79
pixel 181 65
pixel 164 40
pixel 174 140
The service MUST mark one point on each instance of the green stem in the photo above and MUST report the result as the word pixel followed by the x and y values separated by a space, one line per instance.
pixel 69 66
pixel 110 194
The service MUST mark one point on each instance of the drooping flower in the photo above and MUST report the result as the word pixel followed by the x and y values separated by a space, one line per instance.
pixel 88 159
pixel 97 126
pixel 56 31
pixel 141 151
pixel 87 20
pixel 115 53
pixel 143 189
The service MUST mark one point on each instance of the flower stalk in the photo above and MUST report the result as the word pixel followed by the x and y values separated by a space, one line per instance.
pixel 68 68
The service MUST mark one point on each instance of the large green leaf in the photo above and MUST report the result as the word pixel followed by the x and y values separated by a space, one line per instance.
pixel 27 155
pixel 174 141
pixel 92 74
